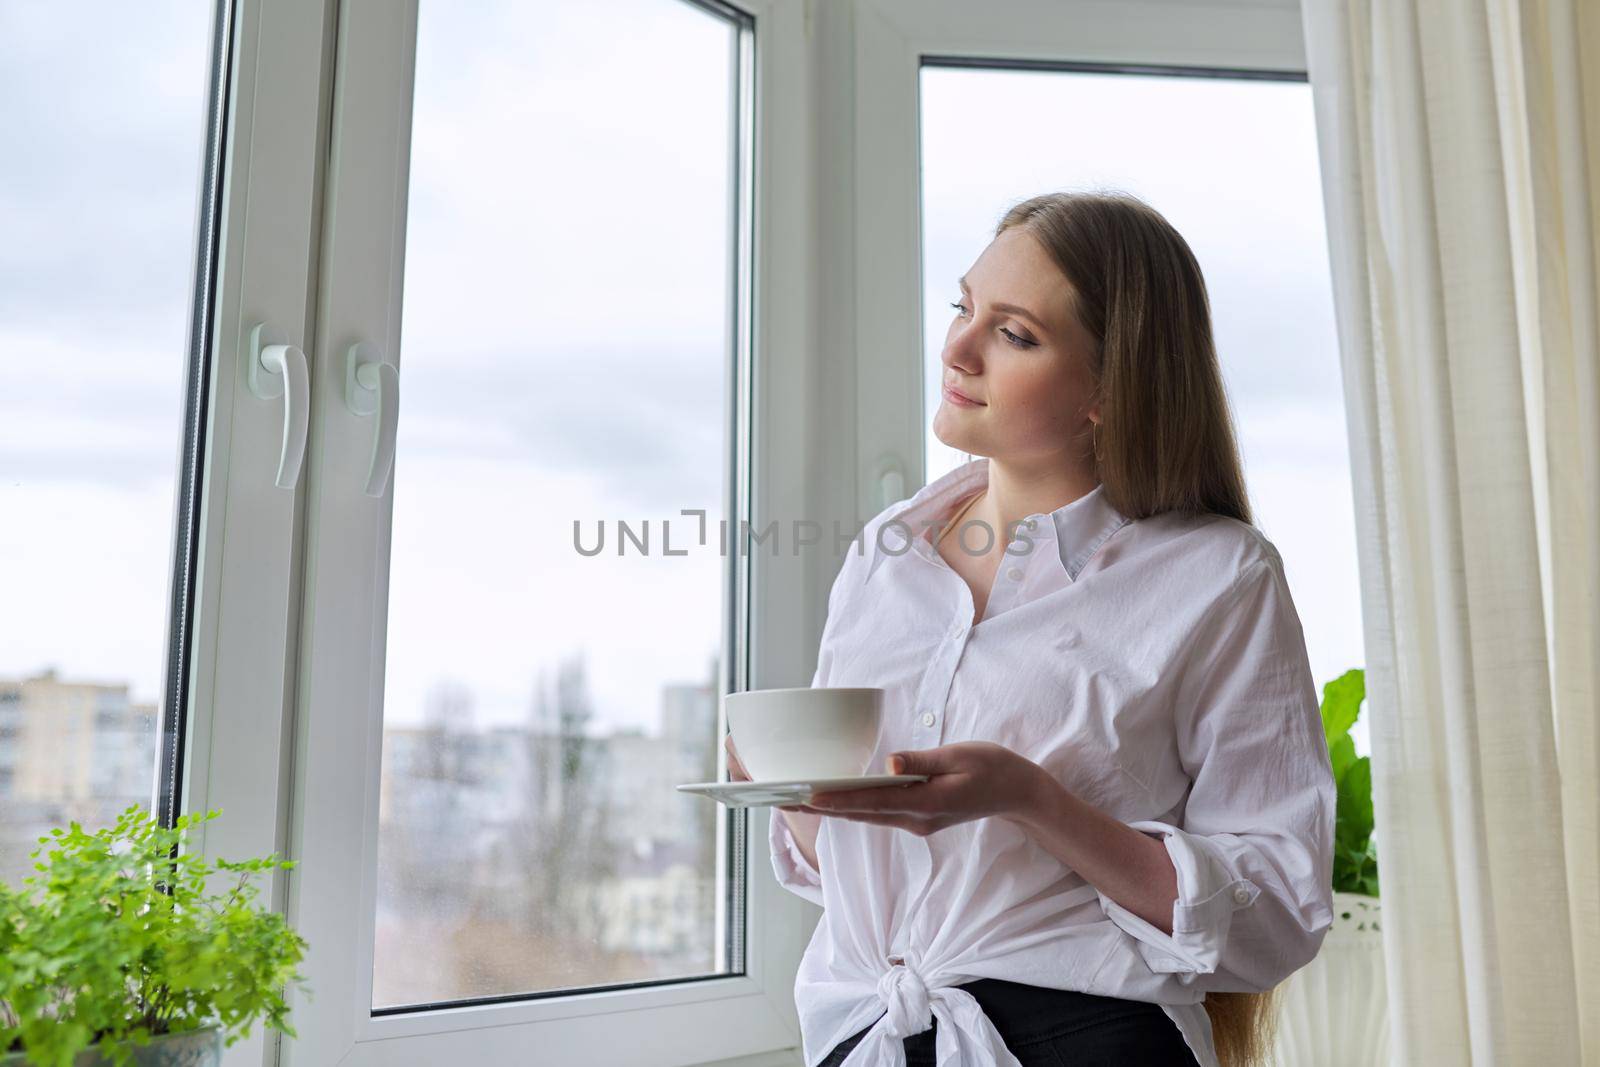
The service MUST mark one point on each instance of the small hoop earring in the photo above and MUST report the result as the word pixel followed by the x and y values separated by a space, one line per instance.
pixel 1095 440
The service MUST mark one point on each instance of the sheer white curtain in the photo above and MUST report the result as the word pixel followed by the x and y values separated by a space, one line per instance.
pixel 1460 146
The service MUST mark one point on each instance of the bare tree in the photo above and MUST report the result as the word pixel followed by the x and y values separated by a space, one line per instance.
pixel 557 849
pixel 431 837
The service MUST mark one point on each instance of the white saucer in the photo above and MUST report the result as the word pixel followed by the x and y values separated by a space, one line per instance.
pixel 790 791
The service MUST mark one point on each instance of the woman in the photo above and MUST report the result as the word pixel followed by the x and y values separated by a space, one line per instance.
pixel 1125 839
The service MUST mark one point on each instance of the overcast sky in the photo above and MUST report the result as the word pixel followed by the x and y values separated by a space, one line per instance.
pixel 97 213
pixel 563 331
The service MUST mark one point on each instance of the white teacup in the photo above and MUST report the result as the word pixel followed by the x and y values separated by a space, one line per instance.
pixel 800 734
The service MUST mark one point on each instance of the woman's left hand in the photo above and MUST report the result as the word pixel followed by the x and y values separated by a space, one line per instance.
pixel 966 780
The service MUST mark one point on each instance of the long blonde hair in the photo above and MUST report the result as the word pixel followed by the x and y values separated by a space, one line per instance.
pixel 1166 440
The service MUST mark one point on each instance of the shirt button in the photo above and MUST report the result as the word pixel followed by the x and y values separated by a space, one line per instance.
pixel 1015 574
pixel 1241 895
pixel 927 718
pixel 1032 523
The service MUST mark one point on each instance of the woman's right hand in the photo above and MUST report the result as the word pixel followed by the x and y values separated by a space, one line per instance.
pixel 737 773
pixel 803 824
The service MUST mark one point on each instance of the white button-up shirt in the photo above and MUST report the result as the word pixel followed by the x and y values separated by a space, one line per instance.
pixel 1156 668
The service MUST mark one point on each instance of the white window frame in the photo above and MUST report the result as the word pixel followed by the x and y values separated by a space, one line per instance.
pixel 339 700
pixel 836 416
pixel 239 695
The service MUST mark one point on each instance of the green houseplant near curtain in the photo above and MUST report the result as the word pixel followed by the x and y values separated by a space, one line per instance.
pixel 1355 855
pixel 117 953
pixel 1335 1010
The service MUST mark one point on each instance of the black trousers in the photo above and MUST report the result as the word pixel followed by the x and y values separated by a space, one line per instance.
pixel 1059 1028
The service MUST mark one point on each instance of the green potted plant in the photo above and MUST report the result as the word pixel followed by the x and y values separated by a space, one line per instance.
pixel 1335 1009
pixel 1355 850
pixel 119 952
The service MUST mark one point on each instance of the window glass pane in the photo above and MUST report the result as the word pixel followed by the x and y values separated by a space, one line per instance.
pixel 1232 164
pixel 105 132
pixel 564 361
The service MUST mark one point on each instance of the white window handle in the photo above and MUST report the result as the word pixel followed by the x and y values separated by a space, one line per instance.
pixel 280 370
pixel 372 386
pixel 891 483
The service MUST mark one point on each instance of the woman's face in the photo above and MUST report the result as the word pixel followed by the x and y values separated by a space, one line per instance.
pixel 1015 347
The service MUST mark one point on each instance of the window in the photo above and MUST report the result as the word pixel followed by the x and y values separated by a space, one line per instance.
pixel 146 545
pixel 514 636
pixel 566 367
pixel 98 382
pixel 1231 161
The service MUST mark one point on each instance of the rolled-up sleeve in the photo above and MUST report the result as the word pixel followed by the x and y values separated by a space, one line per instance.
pixel 1253 847
pixel 794 872
pixel 789 863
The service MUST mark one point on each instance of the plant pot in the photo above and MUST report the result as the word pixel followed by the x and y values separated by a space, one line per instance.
pixel 1334 1011
pixel 192 1048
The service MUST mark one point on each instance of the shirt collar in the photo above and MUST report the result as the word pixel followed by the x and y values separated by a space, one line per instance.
pixel 1078 529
